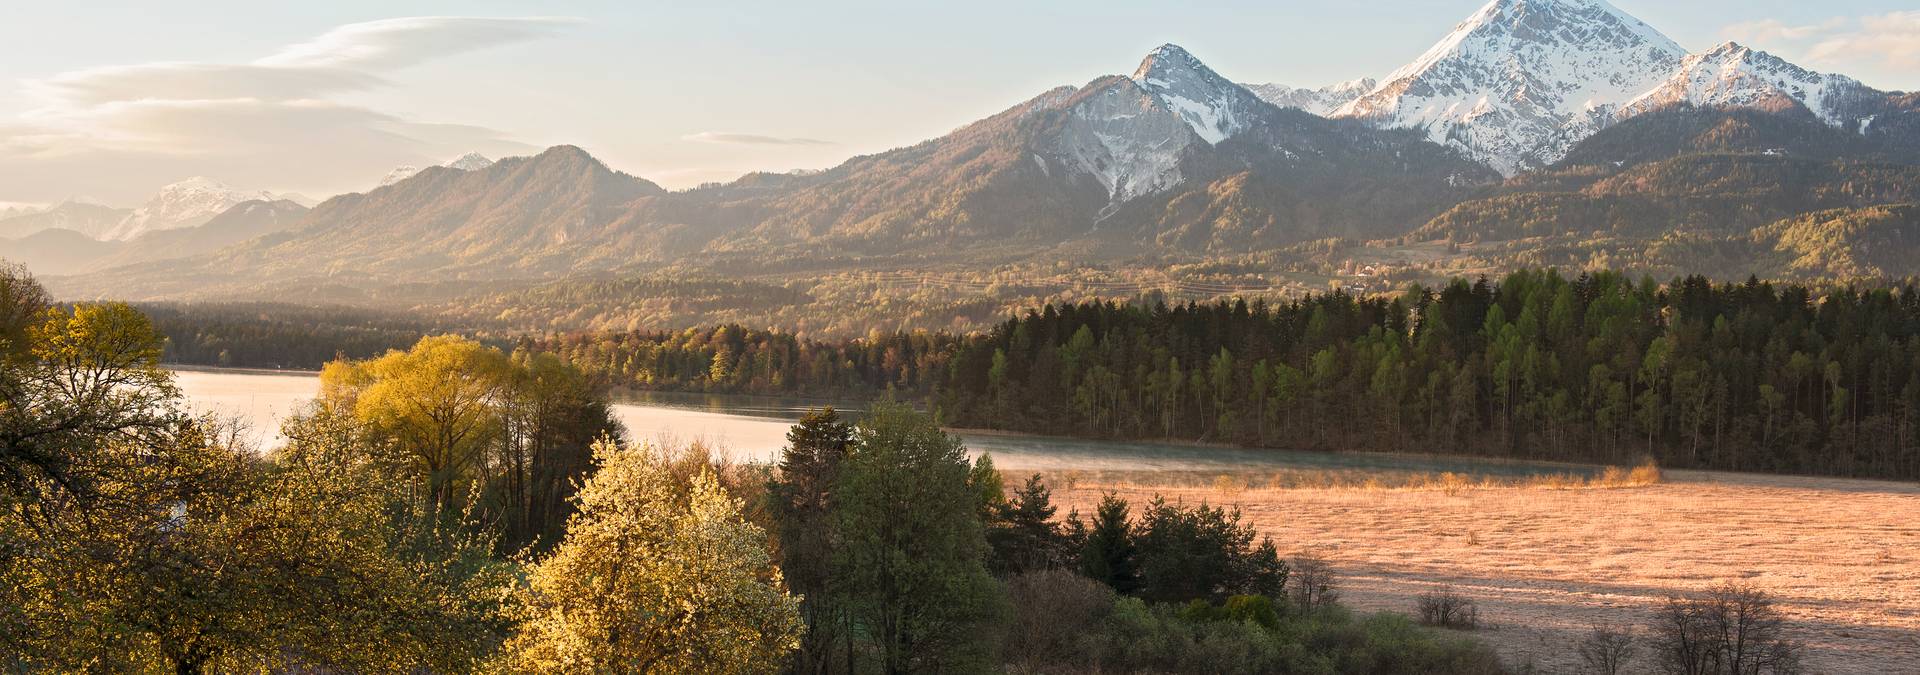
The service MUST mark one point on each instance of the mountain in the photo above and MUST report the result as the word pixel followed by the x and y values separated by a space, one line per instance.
pixel 399 173
pixel 500 219
pixel 187 203
pixel 471 161
pixel 1878 241
pixel 14 210
pixel 1734 76
pixel 55 251
pixel 64 251
pixel 1322 101
pixel 1174 157
pixel 1521 81
pixel 76 215
pixel 244 221
pixel 1682 129
pixel 1123 165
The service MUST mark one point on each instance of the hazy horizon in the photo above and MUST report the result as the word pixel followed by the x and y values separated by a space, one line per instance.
pixel 113 102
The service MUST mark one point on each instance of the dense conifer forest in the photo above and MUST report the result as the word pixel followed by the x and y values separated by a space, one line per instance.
pixel 1752 376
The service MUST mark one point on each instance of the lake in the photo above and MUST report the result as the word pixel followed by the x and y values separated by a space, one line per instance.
pixel 755 427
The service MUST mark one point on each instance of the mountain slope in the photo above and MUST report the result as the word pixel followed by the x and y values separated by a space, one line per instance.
pixel 187 203
pixel 1322 101
pixel 1521 81
pixel 1121 167
pixel 471 161
pixel 1683 129
pixel 1734 76
pixel 57 251
pixel 1879 241
pixel 83 217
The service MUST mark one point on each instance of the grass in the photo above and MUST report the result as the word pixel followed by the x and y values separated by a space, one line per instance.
pixel 1452 483
pixel 1545 563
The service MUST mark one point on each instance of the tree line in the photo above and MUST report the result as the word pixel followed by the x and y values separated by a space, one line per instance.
pixel 456 508
pixel 1750 376
pixel 1753 376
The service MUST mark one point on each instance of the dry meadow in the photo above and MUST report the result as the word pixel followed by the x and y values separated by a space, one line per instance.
pixel 1547 562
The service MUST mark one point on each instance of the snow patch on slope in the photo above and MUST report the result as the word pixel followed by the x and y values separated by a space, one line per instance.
pixel 187 203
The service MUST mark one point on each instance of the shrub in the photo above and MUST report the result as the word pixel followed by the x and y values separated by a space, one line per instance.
pixel 1731 629
pixel 1448 609
pixel 1606 649
pixel 1313 582
pixel 1205 553
pixel 1053 613
pixel 1202 638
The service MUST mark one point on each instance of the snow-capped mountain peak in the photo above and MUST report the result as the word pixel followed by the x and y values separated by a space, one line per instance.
pixel 1733 75
pixel 1520 81
pixel 471 161
pixel 187 203
pixel 1215 107
pixel 399 173
pixel 1322 101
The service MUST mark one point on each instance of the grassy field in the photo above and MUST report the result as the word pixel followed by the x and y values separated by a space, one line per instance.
pixel 1546 562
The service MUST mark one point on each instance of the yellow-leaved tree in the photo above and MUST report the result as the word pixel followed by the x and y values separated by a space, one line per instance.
pixel 431 408
pixel 654 579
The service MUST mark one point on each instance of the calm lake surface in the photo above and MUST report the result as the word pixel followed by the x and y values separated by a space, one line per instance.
pixel 755 427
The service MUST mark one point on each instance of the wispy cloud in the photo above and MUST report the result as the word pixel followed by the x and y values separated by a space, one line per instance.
pixel 401 42
pixel 1775 30
pixel 1893 39
pixel 1890 40
pixel 147 122
pixel 750 139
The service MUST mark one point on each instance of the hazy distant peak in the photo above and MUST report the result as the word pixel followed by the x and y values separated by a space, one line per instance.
pixel 469 162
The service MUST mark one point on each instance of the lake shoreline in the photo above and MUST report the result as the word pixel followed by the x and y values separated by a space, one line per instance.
pixel 1100 453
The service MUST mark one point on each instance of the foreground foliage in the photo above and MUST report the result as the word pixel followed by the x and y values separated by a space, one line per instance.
pixel 649 581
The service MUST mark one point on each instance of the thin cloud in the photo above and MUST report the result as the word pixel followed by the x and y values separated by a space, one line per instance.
pixel 1890 41
pixel 1775 30
pixel 397 43
pixel 750 139
pixel 1893 39
pixel 147 124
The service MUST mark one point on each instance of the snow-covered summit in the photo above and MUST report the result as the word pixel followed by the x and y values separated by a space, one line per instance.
pixel 471 161
pixel 1322 101
pixel 1733 75
pixel 1520 81
pixel 1130 133
pixel 187 203
pixel 1214 106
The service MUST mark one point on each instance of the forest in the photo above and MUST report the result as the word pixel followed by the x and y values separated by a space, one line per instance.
pixel 454 508
pixel 1597 368
pixel 1753 376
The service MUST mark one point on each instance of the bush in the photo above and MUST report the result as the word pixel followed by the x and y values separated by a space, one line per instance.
pixel 1448 609
pixel 1313 582
pixel 1203 553
pixel 1233 638
pixel 1731 629
pixel 1054 611
pixel 1607 649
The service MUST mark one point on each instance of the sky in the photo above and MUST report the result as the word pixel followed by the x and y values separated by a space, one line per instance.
pixel 113 100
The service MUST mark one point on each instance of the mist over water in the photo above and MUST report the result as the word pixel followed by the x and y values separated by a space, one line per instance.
pixel 754 428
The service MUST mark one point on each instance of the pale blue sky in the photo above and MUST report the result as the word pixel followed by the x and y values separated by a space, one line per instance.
pixel 637 83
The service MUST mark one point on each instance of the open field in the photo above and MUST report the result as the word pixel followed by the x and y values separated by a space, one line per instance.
pixel 1841 556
